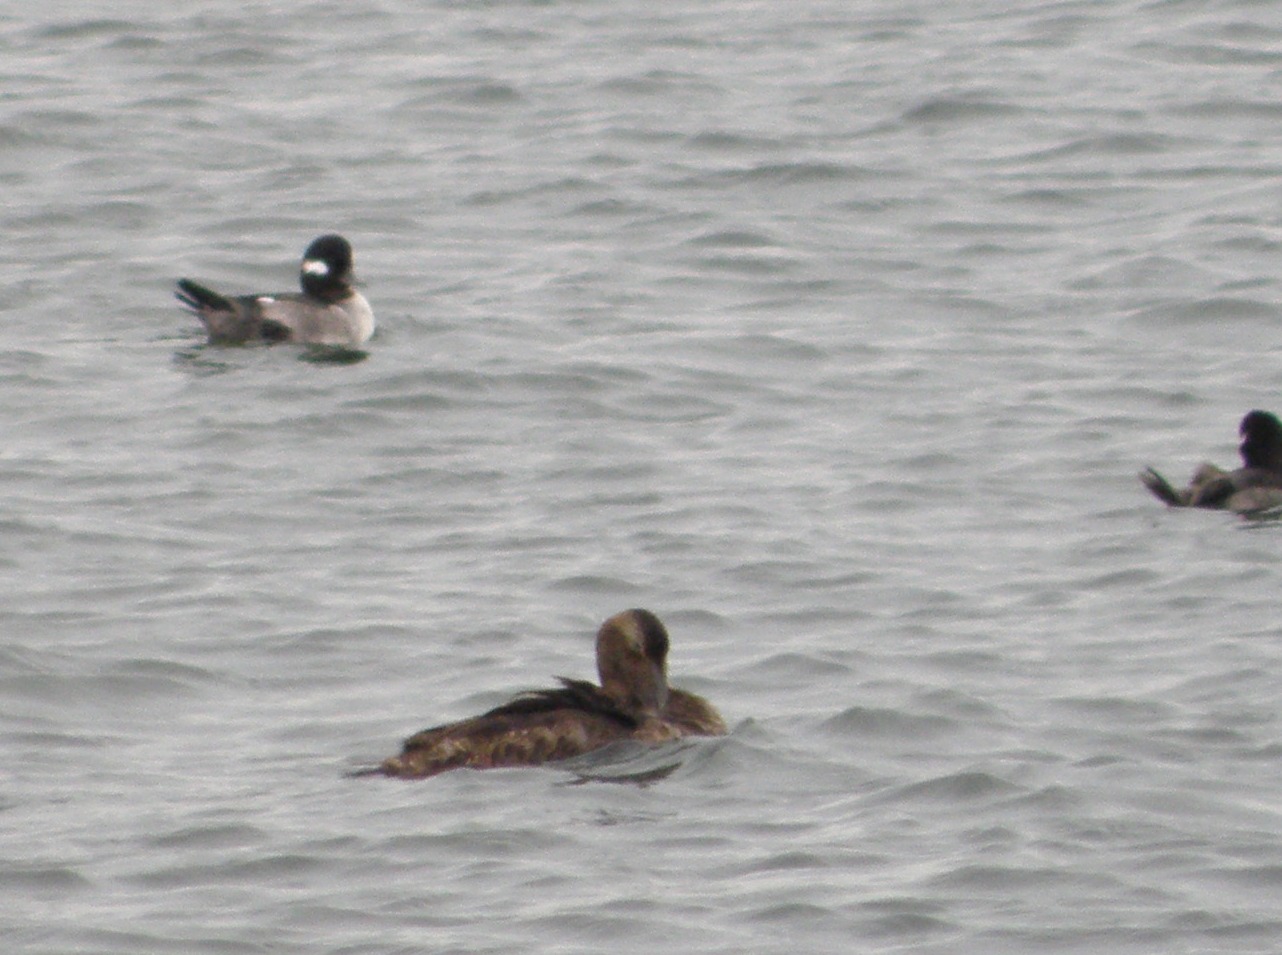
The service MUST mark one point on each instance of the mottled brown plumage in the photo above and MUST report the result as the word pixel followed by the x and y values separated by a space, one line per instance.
pixel 1256 486
pixel 693 715
pixel 633 702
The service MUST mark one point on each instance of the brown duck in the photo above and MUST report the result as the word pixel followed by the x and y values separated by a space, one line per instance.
pixel 633 702
pixel 1255 486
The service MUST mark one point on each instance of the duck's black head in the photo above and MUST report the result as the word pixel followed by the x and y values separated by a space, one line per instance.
pixel 1261 441
pixel 326 271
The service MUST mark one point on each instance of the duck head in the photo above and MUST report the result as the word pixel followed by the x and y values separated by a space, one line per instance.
pixel 1261 441
pixel 326 272
pixel 631 660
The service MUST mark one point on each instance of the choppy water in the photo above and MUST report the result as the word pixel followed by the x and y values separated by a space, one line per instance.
pixel 834 333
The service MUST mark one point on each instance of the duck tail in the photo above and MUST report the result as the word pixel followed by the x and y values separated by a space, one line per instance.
pixel 200 299
pixel 1161 488
pixel 364 771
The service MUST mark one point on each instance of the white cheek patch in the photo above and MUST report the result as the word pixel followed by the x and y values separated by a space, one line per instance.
pixel 265 300
pixel 315 267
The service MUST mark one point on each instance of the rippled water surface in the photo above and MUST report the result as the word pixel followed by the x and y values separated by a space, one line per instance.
pixel 833 333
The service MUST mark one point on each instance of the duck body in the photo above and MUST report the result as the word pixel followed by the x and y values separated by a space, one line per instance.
pixel 328 310
pixel 633 702
pixel 539 728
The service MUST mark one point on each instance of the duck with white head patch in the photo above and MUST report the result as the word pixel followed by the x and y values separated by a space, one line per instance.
pixel 328 311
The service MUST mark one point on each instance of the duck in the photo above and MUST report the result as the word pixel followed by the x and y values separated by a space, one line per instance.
pixel 328 311
pixel 1254 487
pixel 632 702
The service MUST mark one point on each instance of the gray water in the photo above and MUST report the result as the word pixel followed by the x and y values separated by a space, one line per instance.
pixel 832 332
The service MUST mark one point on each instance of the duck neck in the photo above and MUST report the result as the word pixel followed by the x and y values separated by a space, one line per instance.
pixel 636 683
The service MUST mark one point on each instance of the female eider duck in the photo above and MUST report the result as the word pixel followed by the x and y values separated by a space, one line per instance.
pixel 329 311
pixel 1255 486
pixel 633 702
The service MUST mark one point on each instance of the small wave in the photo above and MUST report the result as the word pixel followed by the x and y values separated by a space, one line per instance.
pixel 84 28
pixel 970 786
pixel 865 721
pixel 41 879
pixel 947 109
pixel 596 586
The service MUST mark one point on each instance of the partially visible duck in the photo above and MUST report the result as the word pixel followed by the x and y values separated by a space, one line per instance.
pixel 633 702
pixel 329 311
pixel 1255 486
